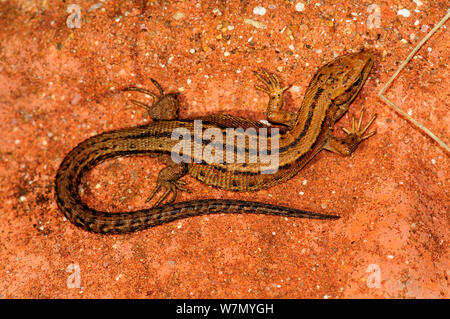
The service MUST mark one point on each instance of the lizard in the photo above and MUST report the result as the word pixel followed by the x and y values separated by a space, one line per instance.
pixel 327 98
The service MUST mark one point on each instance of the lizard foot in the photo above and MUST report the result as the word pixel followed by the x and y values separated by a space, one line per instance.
pixel 271 83
pixel 272 87
pixel 168 178
pixel 171 187
pixel 355 136
pixel 356 132
pixel 164 106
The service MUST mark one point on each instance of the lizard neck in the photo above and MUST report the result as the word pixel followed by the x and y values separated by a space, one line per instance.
pixel 310 124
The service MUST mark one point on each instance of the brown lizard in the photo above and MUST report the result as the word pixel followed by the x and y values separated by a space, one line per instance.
pixel 306 133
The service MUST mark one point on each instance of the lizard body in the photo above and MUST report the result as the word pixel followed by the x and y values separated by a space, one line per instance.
pixel 332 89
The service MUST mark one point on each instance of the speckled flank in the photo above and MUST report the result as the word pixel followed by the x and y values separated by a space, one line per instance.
pixel 60 86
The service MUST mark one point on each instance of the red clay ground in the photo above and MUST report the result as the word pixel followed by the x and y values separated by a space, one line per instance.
pixel 58 86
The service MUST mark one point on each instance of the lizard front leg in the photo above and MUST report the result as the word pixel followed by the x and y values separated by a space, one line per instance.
pixel 273 88
pixel 346 146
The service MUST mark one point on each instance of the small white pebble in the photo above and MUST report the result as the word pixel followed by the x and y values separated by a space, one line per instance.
pixel 192 51
pixel 22 198
pixel 178 16
pixel 230 27
pixel 226 53
pixel 76 99
pixel 418 2
pixel 217 11
pixel 95 7
pixel 304 182
pixel 416 22
pixel 255 23
pixel 299 7
pixel 390 256
pixel 433 161
pixel 404 12
pixel 301 193
pixel 17 142
pixel 295 88
pixel 188 81
pixel 274 233
pixel 259 11
pixel 410 112
pixel 424 28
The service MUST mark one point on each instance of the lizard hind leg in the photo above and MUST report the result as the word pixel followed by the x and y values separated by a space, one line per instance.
pixel 168 179
pixel 164 106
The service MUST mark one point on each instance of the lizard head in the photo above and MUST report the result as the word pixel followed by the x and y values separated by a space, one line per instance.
pixel 345 75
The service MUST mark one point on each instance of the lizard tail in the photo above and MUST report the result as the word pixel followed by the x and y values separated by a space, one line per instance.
pixel 101 147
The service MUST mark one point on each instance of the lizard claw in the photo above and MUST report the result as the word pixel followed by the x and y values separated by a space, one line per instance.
pixel 357 131
pixel 171 187
pixel 163 106
pixel 271 83
pixel 156 98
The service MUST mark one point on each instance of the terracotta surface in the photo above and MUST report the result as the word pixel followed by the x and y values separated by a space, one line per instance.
pixel 58 86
